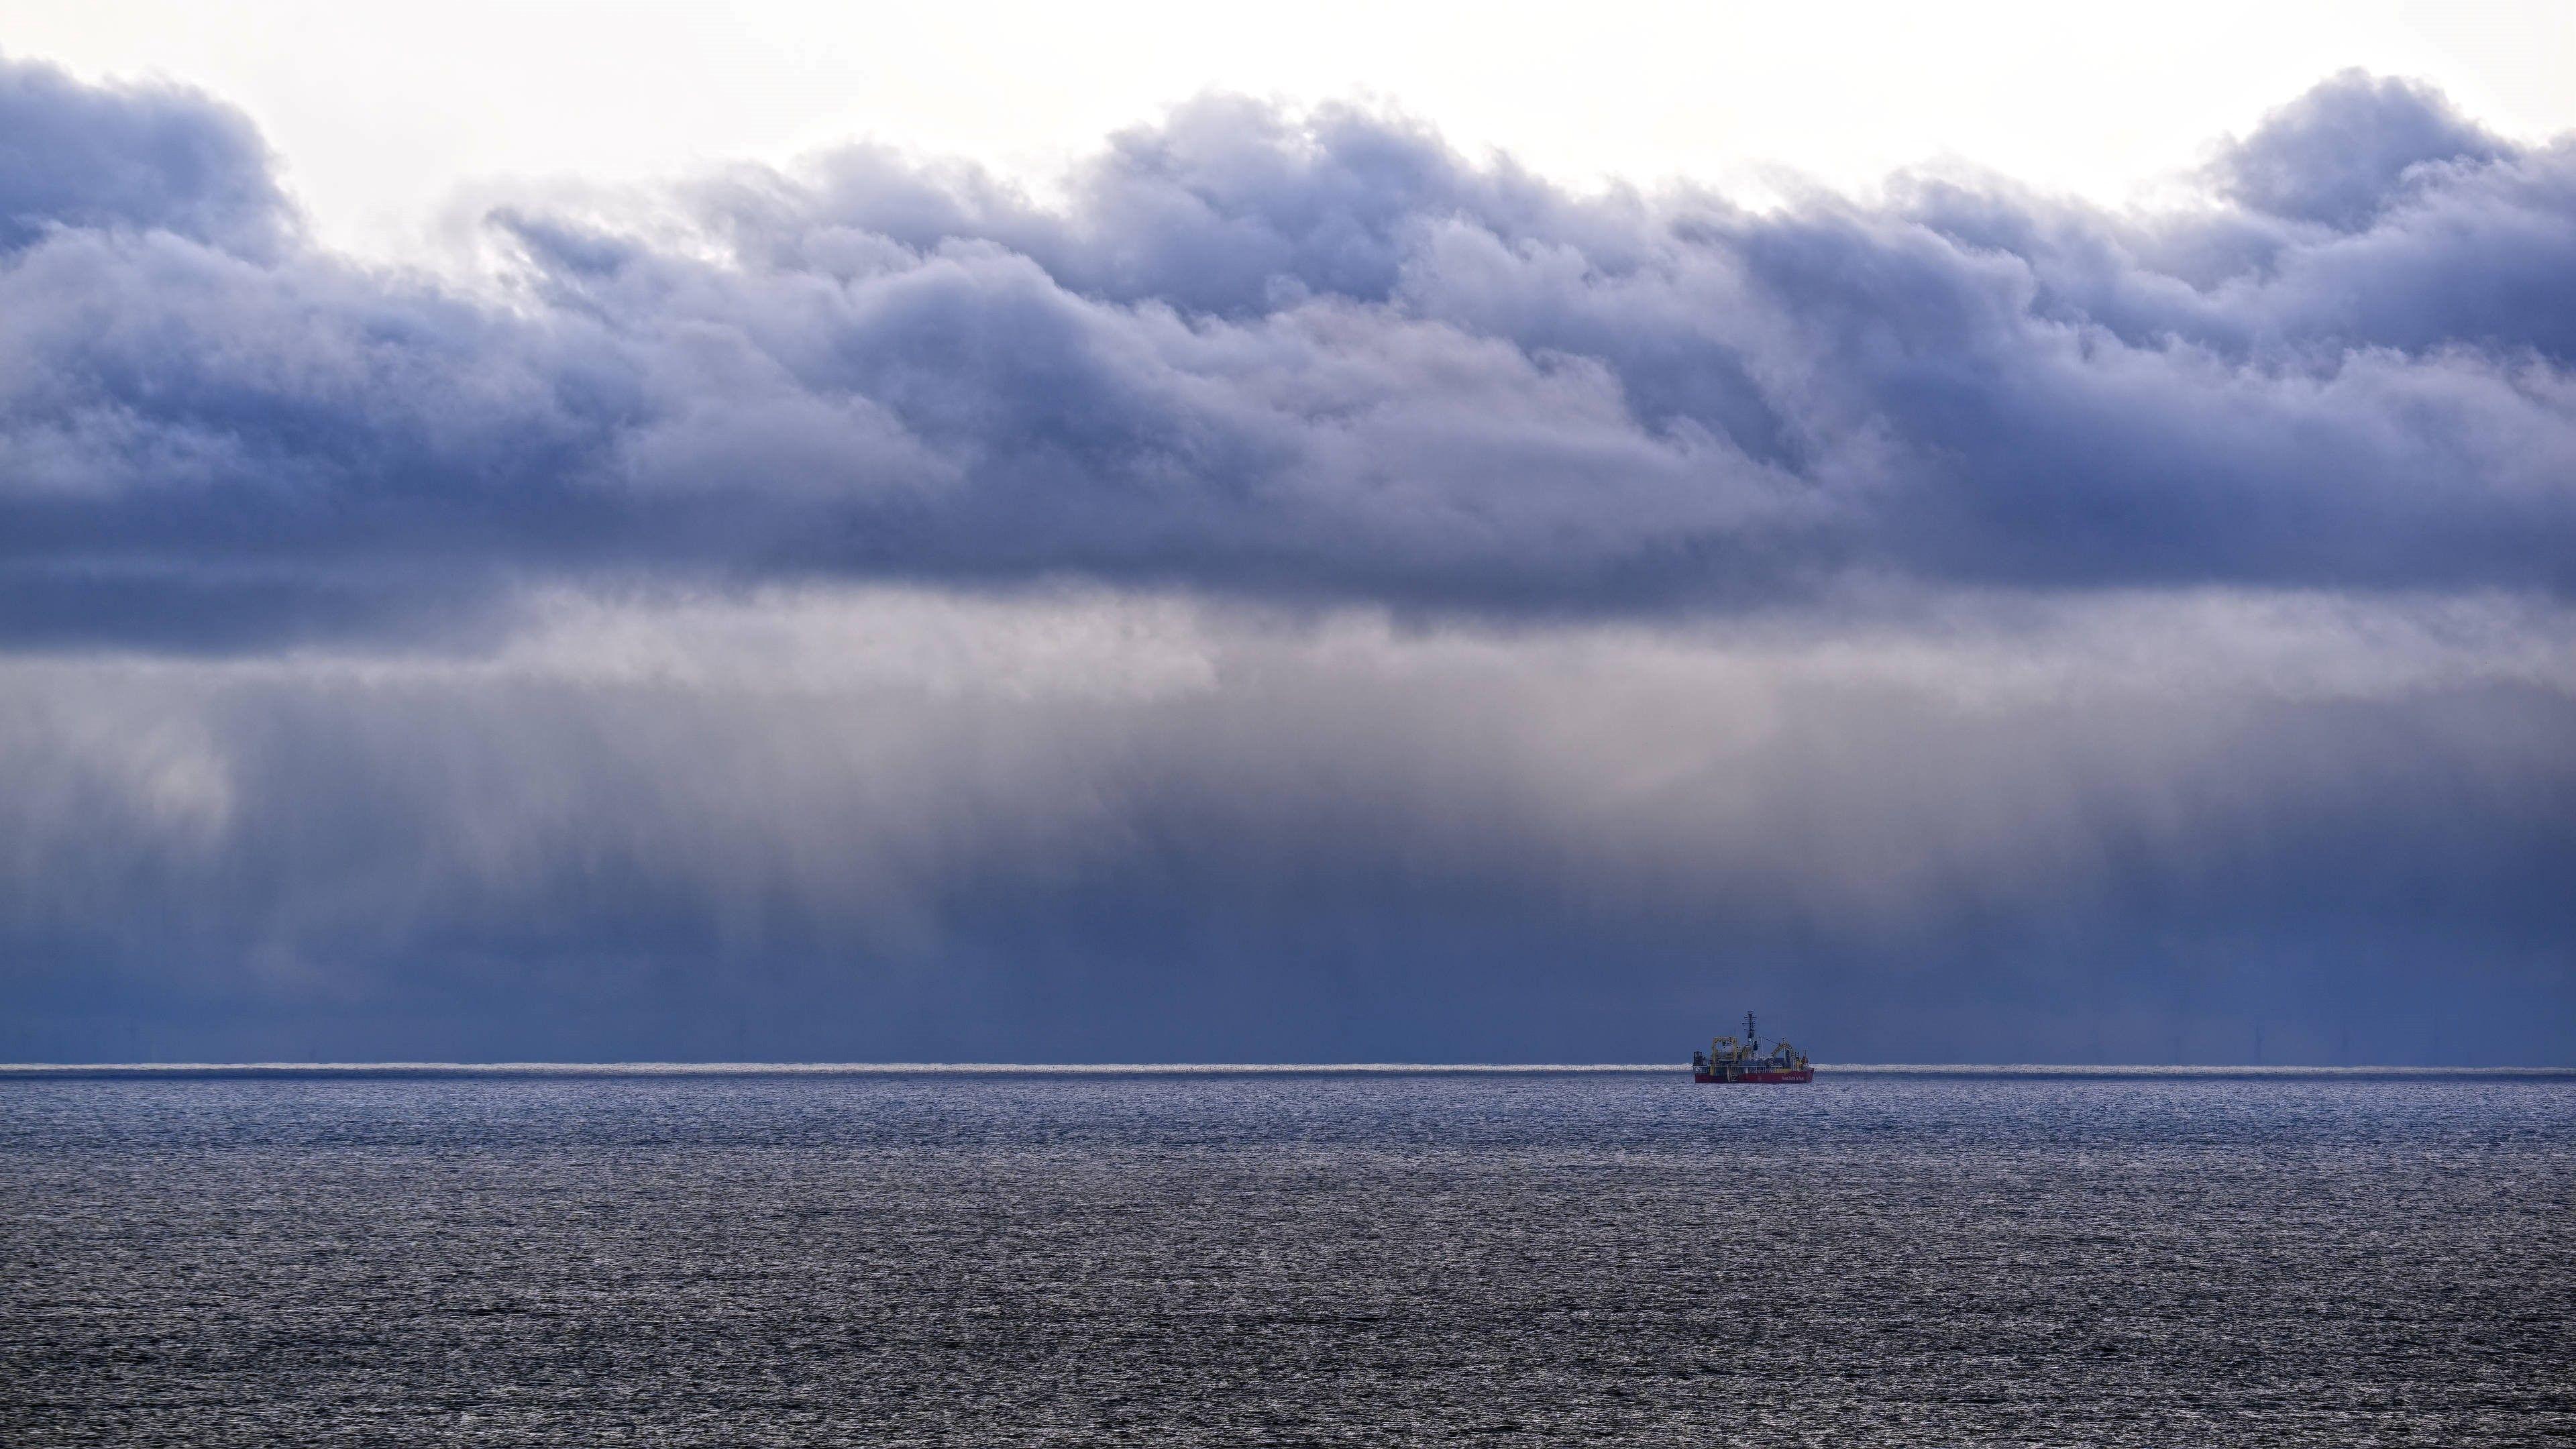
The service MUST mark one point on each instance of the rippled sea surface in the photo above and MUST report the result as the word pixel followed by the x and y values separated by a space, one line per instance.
pixel 1287 1258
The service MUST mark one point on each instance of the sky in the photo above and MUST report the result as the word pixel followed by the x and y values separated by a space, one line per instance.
pixel 391 119
pixel 819 534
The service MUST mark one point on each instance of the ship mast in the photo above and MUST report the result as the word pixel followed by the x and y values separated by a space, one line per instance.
pixel 1751 1040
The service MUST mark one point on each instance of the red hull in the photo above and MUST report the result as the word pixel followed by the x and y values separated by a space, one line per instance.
pixel 1803 1074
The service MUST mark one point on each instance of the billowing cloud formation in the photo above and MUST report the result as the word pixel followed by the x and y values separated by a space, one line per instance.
pixel 2346 152
pixel 1300 594
pixel 1296 357
pixel 157 159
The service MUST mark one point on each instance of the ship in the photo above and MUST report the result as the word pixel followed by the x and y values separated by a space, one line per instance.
pixel 1730 1060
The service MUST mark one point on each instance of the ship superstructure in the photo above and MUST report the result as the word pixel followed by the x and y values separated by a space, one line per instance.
pixel 1731 1060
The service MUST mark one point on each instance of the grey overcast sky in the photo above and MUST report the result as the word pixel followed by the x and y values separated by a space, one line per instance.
pixel 543 534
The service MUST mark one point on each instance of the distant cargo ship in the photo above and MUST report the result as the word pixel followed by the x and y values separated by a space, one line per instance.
pixel 1729 1060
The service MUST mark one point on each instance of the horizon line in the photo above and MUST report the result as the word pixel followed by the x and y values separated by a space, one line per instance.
pixel 39 1070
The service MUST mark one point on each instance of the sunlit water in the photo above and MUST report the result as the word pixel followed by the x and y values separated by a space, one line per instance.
pixel 1251 1258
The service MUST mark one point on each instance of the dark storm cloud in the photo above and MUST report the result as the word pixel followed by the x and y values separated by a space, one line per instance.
pixel 2345 152
pixel 917 825
pixel 1970 617
pixel 1317 357
pixel 72 156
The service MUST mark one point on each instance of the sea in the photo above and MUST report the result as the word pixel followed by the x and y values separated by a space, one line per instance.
pixel 900 1256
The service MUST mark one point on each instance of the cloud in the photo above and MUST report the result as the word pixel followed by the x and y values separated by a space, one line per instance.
pixel 1116 824
pixel 81 157
pixel 1309 357
pixel 1296 593
pixel 2346 151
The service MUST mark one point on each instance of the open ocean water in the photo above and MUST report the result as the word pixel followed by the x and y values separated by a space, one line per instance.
pixel 1286 1258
